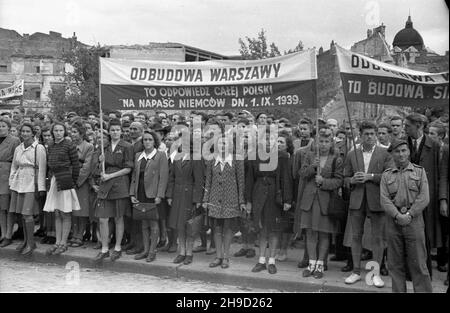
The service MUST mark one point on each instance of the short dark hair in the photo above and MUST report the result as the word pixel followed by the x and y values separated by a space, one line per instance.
pixel 341 131
pixel 259 114
pixel 130 115
pixel 396 118
pixel 92 113
pixel 26 124
pixel 387 126
pixel 229 115
pixel 116 113
pixel 367 125
pixel 114 122
pixel 4 120
pixel 243 120
pixel 126 124
pixel 156 140
pixel 305 121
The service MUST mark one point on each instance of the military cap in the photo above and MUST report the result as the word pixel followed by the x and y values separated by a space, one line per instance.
pixel 397 143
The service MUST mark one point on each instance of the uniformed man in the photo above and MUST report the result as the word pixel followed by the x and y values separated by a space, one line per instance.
pixel 404 195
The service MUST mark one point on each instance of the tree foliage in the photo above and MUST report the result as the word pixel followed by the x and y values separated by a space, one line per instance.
pixel 258 48
pixel 79 92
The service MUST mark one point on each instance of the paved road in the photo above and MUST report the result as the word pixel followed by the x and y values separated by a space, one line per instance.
pixel 37 277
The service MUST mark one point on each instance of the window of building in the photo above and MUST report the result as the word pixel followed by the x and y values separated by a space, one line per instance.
pixel 3 68
pixel 38 94
pixel 38 69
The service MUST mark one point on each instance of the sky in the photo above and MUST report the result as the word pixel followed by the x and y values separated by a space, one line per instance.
pixel 216 25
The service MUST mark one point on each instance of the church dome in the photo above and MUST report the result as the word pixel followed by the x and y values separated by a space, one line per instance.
pixel 408 37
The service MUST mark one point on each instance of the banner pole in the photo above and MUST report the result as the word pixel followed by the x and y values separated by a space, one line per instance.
pixel 101 113
pixel 348 113
pixel 316 140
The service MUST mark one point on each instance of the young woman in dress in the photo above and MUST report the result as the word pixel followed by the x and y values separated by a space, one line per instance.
pixel 185 194
pixel 27 184
pixel 64 170
pixel 114 189
pixel 224 198
pixel 8 145
pixel 49 217
pixel 320 175
pixel 271 194
pixel 148 185
pixel 85 150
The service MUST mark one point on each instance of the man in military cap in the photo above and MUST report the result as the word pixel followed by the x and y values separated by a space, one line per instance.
pixel 404 195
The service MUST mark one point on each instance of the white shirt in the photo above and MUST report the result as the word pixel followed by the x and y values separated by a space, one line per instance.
pixel 172 156
pixel 147 157
pixel 367 156
pixel 418 142
pixel 228 159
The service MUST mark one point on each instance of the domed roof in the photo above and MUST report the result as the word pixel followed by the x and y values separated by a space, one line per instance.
pixel 408 37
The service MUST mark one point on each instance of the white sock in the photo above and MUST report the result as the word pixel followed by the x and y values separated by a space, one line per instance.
pixel 118 248
pixel 272 261
pixel 262 260
pixel 319 262
pixel 104 250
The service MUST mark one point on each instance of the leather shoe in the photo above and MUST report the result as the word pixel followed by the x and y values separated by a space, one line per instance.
pixel 250 253
pixel 151 257
pixel 115 255
pixel 134 250
pixel 5 242
pixel 21 246
pixel 303 263
pixel 100 256
pixel 259 267
pixel 242 252
pixel 188 260
pixel 272 269
pixel 225 263
pixel 141 256
pixel 179 259
pixel 442 268
pixel 128 246
pixel 338 258
pixel 28 250
pixel 216 262
pixel 199 249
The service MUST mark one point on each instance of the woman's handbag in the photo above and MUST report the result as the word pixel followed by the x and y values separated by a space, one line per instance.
pixel 337 207
pixel 145 211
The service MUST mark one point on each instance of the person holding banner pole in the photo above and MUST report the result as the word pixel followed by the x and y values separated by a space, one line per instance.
pixel 113 194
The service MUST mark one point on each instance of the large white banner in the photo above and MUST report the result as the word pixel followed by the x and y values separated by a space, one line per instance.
pixel 368 80
pixel 16 89
pixel 218 84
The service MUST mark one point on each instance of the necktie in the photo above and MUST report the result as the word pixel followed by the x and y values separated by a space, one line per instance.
pixel 415 145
